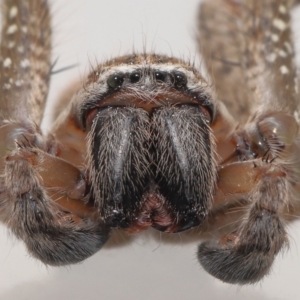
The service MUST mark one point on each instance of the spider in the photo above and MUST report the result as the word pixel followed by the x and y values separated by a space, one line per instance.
pixel 147 141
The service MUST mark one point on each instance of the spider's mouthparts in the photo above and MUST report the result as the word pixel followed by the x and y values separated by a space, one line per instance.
pixel 156 213
pixel 156 170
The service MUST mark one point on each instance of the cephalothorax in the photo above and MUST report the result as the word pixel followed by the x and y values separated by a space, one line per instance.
pixel 146 141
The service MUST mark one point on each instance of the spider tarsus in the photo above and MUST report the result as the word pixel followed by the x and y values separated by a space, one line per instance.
pixel 64 246
pixel 233 266
pixel 55 238
pixel 246 256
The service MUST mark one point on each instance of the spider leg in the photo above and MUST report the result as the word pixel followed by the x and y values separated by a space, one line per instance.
pixel 246 255
pixel 268 189
pixel 25 59
pixel 271 134
pixel 43 199
pixel 247 49
pixel 221 47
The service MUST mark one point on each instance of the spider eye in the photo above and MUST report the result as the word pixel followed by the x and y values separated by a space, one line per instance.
pixel 135 77
pixel 160 76
pixel 115 81
pixel 179 79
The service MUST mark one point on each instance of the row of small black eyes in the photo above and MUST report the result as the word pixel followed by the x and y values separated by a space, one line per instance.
pixel 176 78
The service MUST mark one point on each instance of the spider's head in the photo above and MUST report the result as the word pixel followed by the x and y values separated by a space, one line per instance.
pixel 150 148
pixel 144 81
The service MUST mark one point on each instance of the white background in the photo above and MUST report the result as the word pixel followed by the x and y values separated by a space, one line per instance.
pixel 151 265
